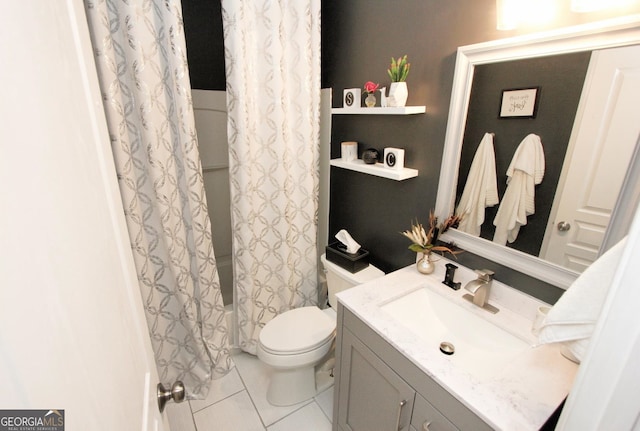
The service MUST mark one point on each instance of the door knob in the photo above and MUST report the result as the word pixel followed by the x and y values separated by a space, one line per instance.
pixel 176 393
pixel 563 226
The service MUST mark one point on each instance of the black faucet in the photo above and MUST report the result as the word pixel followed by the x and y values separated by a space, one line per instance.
pixel 448 278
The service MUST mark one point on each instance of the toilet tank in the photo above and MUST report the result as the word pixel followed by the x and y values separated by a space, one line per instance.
pixel 339 279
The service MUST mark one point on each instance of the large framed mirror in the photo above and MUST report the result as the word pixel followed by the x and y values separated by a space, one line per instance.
pixel 573 43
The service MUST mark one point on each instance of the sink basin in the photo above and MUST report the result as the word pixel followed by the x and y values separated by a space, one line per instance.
pixel 481 348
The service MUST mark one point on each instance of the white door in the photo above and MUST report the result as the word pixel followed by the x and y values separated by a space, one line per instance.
pixel 603 142
pixel 72 329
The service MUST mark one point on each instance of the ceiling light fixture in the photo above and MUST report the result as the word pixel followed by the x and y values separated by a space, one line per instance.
pixel 508 13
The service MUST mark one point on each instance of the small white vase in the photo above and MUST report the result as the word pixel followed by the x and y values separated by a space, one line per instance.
pixel 398 94
pixel 383 97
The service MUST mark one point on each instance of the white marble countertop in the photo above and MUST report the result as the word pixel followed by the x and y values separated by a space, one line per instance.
pixel 522 396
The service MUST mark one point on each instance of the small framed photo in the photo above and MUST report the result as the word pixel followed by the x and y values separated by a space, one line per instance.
pixel 519 103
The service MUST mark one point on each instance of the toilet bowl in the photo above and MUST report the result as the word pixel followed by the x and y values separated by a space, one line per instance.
pixel 294 342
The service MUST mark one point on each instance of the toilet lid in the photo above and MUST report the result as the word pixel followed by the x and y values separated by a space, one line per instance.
pixel 296 331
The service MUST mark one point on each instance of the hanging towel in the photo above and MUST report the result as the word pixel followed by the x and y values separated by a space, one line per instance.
pixel 525 171
pixel 573 318
pixel 480 189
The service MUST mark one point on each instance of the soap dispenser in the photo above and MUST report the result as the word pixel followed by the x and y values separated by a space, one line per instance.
pixel 448 277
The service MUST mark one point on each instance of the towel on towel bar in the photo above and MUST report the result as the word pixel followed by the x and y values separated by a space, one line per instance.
pixel 525 171
pixel 480 189
pixel 573 318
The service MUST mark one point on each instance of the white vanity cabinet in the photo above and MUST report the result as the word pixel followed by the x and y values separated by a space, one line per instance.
pixel 377 388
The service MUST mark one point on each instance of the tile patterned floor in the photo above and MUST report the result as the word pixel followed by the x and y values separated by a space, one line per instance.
pixel 237 402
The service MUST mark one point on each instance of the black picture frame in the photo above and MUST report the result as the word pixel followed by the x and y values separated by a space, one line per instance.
pixel 519 102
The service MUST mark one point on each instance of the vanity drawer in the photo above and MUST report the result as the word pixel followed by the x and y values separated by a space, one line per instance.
pixel 424 413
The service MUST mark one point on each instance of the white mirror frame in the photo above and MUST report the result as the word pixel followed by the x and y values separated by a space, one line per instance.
pixel 599 35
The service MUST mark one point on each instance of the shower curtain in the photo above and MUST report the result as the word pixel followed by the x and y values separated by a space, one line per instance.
pixel 141 60
pixel 272 53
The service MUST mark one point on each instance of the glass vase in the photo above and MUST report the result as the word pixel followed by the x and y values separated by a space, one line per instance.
pixel 370 100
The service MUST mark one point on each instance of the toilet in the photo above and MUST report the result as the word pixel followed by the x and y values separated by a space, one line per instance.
pixel 294 342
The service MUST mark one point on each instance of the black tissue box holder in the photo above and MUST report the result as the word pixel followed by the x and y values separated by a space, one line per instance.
pixel 353 262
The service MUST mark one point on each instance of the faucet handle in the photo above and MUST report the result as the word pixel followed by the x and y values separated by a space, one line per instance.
pixel 485 274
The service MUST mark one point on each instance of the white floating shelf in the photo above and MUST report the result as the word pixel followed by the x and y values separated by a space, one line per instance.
pixel 378 169
pixel 404 110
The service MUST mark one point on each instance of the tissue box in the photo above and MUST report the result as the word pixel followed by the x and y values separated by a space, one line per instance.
pixel 353 262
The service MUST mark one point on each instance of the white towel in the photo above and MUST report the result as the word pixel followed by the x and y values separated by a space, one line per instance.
pixel 480 189
pixel 573 318
pixel 525 171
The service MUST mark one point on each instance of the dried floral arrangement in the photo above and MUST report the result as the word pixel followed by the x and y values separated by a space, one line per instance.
pixel 423 241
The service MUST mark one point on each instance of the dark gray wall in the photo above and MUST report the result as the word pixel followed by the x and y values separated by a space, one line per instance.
pixel 205 49
pixel 358 39
pixel 364 36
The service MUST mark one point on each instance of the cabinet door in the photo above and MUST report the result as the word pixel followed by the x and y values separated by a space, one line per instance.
pixel 372 396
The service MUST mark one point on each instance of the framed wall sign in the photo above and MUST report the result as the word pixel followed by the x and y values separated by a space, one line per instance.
pixel 519 103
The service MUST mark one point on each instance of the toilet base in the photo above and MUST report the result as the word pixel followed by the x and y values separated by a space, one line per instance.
pixel 292 386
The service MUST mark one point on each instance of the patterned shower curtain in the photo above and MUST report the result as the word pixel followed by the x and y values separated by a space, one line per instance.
pixel 141 59
pixel 272 52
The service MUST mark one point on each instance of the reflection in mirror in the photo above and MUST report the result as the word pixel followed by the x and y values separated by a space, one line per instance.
pixel 560 65
pixel 559 80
